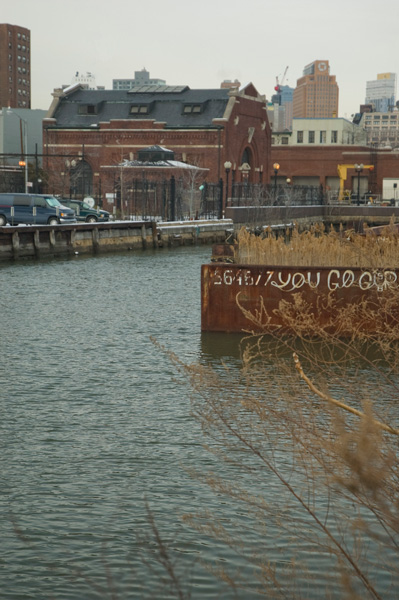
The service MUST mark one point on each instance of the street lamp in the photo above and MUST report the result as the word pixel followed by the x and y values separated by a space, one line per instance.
pixel 358 169
pixel 24 146
pixel 70 165
pixel 227 167
pixel 276 167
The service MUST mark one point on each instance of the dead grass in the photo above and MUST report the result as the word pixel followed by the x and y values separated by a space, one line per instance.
pixel 318 247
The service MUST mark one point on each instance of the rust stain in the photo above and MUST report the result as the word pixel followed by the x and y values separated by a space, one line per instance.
pixel 229 290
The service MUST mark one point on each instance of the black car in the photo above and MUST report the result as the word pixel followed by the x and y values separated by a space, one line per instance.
pixel 84 212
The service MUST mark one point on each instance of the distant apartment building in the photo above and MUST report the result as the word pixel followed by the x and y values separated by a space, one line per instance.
pixel 15 82
pixel 321 132
pixel 382 128
pixel 140 78
pixel 381 92
pixel 316 92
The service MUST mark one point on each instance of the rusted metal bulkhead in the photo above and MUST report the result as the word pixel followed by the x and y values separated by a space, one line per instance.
pixel 227 289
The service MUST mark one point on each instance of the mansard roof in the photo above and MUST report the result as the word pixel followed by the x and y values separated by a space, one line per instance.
pixel 176 106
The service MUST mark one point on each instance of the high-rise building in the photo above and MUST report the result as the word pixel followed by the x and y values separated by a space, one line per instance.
pixel 15 83
pixel 316 92
pixel 140 78
pixel 381 92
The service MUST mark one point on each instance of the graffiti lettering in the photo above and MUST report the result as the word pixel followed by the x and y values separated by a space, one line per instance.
pixel 290 281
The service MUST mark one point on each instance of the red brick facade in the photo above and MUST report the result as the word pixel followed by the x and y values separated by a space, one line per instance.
pixel 321 162
pixel 241 135
pixel 14 66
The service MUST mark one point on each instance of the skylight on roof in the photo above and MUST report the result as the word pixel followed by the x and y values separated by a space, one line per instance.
pixel 155 89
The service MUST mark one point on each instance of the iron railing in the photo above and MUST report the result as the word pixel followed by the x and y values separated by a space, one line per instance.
pixel 168 200
pixel 258 194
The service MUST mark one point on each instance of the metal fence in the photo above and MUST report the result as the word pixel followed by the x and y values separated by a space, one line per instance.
pixel 257 194
pixel 174 200
pixel 11 179
pixel 168 200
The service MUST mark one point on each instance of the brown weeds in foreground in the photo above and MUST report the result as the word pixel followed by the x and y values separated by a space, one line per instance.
pixel 339 495
pixel 318 247
pixel 315 420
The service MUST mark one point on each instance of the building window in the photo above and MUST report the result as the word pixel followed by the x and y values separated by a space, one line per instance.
pixel 192 109
pixel 334 137
pixel 139 109
pixel 87 109
pixel 299 137
pixel 284 140
pixel 323 137
pixel 273 140
pixel 311 137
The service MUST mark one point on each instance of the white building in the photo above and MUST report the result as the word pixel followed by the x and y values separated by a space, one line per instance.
pixel 87 79
pixel 140 78
pixel 381 92
pixel 322 132
pixel 382 128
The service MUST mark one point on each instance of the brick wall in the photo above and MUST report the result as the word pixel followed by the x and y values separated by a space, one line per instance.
pixel 245 133
pixel 321 162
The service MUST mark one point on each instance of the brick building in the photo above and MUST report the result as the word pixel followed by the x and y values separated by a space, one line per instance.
pixel 15 84
pixel 316 92
pixel 205 128
pixel 318 166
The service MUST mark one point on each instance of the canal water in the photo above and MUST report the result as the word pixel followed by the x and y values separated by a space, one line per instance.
pixel 96 428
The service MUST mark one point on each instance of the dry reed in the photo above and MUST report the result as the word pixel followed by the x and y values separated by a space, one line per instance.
pixel 320 248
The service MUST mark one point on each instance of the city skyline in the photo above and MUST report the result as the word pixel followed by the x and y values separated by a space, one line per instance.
pixel 202 48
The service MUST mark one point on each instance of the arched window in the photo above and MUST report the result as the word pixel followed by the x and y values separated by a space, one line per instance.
pixel 246 167
pixel 81 180
pixel 246 157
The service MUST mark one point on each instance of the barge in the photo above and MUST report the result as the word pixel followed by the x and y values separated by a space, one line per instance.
pixel 268 298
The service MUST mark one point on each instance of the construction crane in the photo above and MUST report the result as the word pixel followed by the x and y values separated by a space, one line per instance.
pixel 279 84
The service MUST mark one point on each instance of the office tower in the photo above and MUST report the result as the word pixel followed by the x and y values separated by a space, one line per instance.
pixel 316 92
pixel 15 82
pixel 381 92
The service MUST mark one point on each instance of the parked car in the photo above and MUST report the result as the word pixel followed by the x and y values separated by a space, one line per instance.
pixel 85 212
pixel 33 209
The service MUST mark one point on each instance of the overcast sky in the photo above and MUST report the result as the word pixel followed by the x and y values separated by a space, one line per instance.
pixel 201 43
